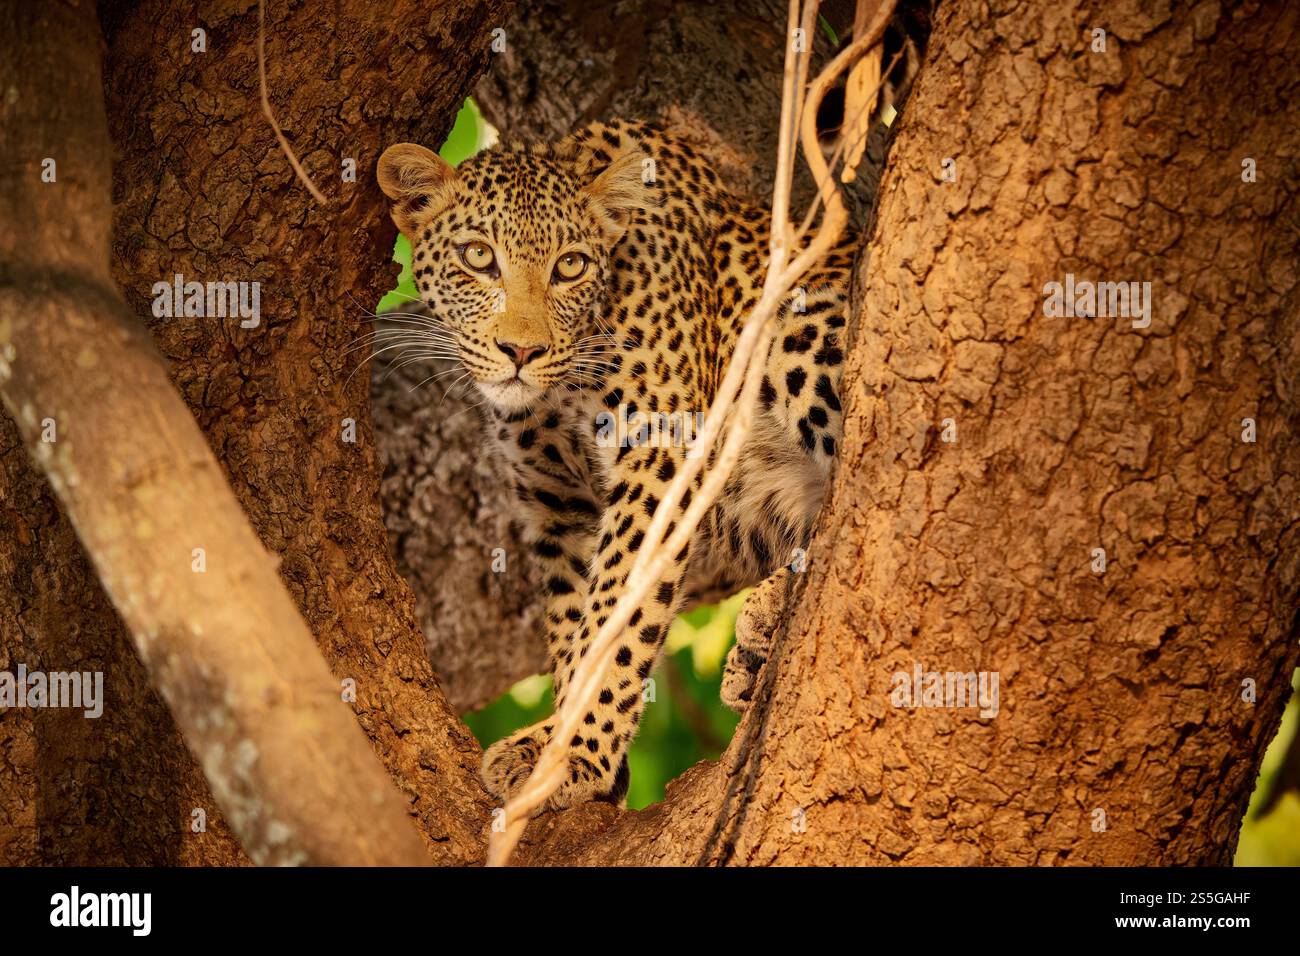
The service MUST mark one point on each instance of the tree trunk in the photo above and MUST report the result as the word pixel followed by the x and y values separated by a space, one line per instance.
pixel 1123 736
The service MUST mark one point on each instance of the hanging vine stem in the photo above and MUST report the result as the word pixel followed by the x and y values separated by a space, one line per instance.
pixel 270 114
pixel 744 374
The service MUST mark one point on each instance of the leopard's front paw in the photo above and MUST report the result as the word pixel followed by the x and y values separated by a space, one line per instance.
pixel 508 763
pixel 755 626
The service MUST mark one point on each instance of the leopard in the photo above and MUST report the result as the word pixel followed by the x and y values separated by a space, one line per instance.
pixel 591 286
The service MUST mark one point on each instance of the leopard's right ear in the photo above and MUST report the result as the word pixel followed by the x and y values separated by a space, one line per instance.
pixel 418 181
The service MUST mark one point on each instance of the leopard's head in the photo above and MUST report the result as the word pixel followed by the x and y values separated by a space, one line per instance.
pixel 511 253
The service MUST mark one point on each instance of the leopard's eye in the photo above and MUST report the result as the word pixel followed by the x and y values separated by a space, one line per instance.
pixel 478 256
pixel 571 266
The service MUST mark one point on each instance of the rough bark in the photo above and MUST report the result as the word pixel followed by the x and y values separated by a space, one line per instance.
pixel 202 189
pixel 1120 692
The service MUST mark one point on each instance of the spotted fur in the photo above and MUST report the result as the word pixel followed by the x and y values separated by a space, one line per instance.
pixel 674 263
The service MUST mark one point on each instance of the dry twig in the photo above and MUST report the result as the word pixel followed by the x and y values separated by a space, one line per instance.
pixel 270 116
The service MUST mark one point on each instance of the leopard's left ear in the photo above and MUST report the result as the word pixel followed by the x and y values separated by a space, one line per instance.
pixel 620 191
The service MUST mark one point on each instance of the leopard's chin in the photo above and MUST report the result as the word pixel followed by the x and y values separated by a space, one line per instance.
pixel 512 395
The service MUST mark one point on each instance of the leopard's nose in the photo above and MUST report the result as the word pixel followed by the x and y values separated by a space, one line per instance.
pixel 521 355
